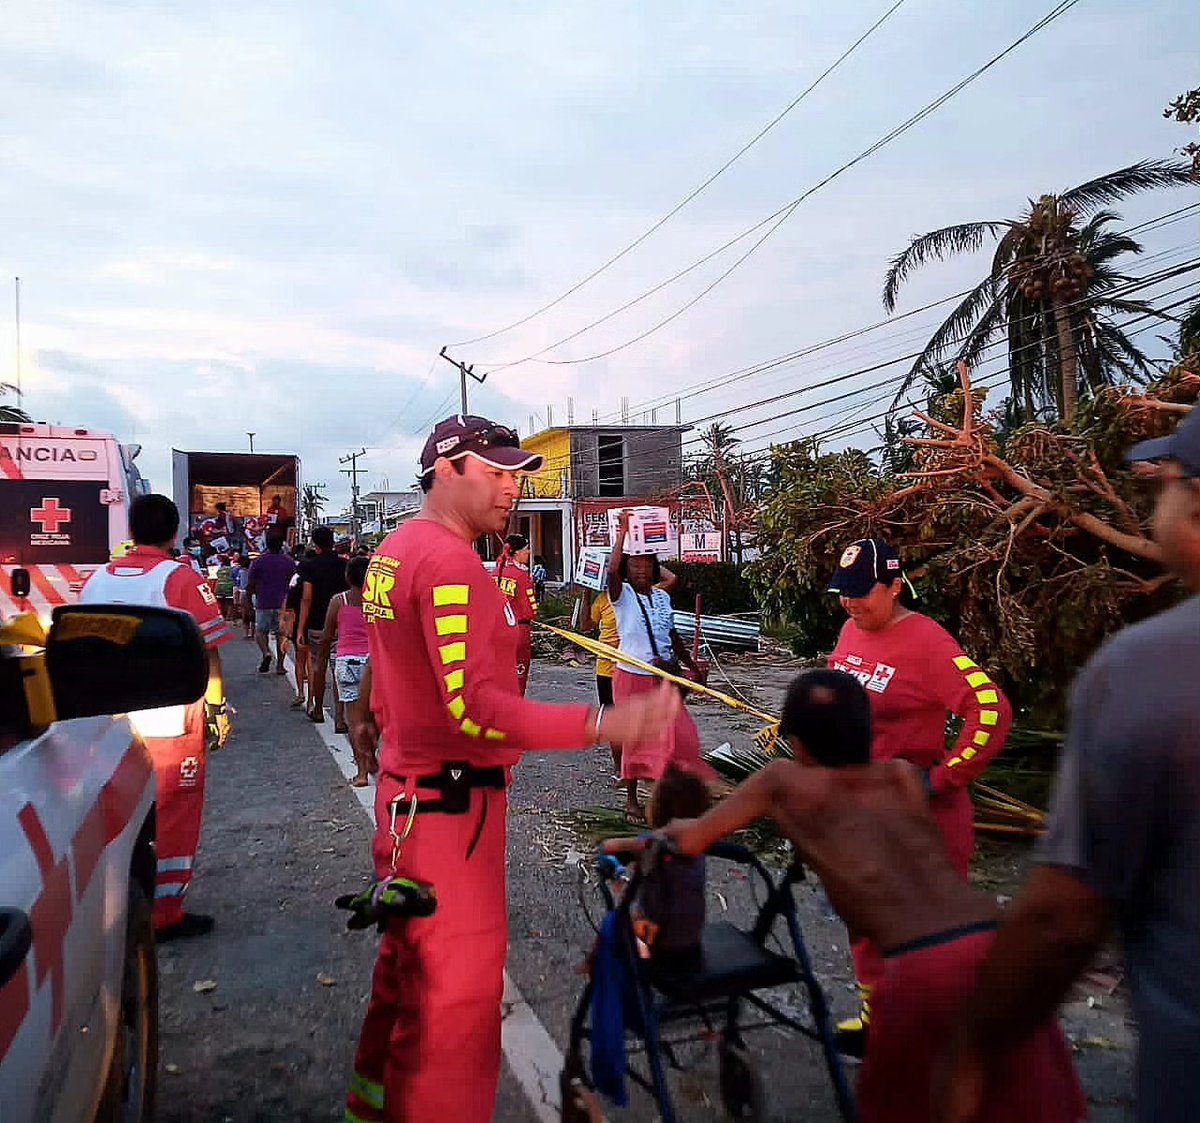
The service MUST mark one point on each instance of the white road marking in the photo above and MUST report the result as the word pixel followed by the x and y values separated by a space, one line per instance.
pixel 532 1054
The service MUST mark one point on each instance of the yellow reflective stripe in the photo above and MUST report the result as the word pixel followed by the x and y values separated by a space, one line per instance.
pixel 989 717
pixel 968 753
pixel 470 728
pixel 367 1090
pixel 493 735
pixel 986 697
pixel 453 653
pixel 953 761
pixel 444 595
pixel 454 680
pixel 457 707
pixel 964 662
pixel 978 678
pixel 982 737
pixel 451 625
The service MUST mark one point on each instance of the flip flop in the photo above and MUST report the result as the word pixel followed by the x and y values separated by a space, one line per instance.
pixel 635 818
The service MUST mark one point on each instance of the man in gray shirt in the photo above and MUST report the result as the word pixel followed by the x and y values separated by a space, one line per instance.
pixel 1124 840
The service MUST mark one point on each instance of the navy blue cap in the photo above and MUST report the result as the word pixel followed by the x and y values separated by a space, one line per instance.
pixel 1182 445
pixel 865 564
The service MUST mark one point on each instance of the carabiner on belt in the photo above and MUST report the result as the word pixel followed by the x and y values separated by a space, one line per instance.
pixel 398 839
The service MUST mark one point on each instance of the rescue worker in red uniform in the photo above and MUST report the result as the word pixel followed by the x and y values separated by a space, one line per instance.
pixel 443 655
pixel 916 676
pixel 176 736
pixel 512 575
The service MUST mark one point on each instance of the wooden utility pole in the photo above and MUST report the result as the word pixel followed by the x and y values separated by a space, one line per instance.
pixel 354 471
pixel 463 371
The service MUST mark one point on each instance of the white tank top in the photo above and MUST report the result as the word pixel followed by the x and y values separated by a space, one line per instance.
pixel 117 584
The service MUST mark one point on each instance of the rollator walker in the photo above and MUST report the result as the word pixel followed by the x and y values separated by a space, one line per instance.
pixel 734 970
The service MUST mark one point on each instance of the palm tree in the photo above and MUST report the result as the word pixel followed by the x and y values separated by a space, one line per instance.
pixel 1053 289
pixel 312 503
pixel 12 413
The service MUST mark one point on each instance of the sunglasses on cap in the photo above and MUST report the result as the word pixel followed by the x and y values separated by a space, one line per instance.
pixel 493 436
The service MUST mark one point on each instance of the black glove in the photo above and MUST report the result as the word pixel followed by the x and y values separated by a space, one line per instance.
pixel 392 897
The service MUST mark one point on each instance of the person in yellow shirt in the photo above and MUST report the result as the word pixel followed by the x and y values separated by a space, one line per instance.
pixel 605 619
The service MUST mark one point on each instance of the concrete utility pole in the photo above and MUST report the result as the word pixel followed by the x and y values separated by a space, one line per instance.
pixel 463 371
pixel 354 471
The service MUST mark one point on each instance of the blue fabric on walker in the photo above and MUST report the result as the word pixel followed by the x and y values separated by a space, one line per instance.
pixel 609 987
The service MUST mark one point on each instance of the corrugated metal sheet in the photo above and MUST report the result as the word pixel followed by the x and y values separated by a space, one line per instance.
pixel 719 631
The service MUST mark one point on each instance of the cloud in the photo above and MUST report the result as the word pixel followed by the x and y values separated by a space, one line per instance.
pixel 262 217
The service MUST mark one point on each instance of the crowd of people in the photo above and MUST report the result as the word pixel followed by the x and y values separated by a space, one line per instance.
pixel 430 658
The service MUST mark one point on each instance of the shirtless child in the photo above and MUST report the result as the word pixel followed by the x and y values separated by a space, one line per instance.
pixel 864 828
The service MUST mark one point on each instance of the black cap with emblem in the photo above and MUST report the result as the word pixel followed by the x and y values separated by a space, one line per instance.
pixel 467 435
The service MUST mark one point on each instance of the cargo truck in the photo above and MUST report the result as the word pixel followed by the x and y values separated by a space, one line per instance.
pixel 247 483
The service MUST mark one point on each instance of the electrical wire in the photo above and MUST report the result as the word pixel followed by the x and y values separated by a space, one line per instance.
pixel 731 377
pixel 1134 284
pixel 996 377
pixel 775 220
pixel 696 191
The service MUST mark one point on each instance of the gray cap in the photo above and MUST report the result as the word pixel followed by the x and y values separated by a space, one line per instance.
pixel 1182 445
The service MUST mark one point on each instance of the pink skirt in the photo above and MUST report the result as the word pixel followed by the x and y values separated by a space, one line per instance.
pixel 679 745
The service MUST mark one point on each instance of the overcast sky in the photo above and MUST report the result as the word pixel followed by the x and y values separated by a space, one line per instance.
pixel 271 216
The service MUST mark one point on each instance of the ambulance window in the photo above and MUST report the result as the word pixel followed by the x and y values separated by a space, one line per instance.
pixel 53 522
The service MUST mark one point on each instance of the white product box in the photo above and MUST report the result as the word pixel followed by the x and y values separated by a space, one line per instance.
pixel 650 531
pixel 592 568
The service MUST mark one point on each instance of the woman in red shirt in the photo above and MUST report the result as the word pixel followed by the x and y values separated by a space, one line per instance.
pixel 916 676
pixel 512 575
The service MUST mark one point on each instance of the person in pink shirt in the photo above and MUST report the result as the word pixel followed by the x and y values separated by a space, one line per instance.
pixel 916 676
pixel 345 631
pixel 443 643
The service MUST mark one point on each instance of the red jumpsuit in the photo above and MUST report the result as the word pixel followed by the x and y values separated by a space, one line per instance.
pixel 443 643
pixel 174 735
pixel 516 584
pixel 916 675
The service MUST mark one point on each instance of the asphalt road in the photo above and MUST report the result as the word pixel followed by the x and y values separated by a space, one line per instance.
pixel 260 1019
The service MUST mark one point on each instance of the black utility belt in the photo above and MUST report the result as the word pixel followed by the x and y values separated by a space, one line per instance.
pixel 455 781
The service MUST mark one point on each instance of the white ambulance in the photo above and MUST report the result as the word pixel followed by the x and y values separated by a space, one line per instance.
pixel 64 506
pixel 78 969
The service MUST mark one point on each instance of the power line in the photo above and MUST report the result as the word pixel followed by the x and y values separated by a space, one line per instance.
pixel 1134 284
pixel 775 220
pixel 842 397
pixel 996 377
pixel 730 377
pixel 695 192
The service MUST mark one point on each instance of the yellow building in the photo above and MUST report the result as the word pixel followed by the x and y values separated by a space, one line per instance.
pixel 554 480
pixel 587 469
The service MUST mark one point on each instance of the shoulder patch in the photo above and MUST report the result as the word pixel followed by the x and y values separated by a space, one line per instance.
pixel 206 594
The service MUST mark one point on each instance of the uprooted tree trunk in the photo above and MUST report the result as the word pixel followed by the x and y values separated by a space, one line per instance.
pixel 1031 551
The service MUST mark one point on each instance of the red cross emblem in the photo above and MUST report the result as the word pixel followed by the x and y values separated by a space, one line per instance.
pixel 50 515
